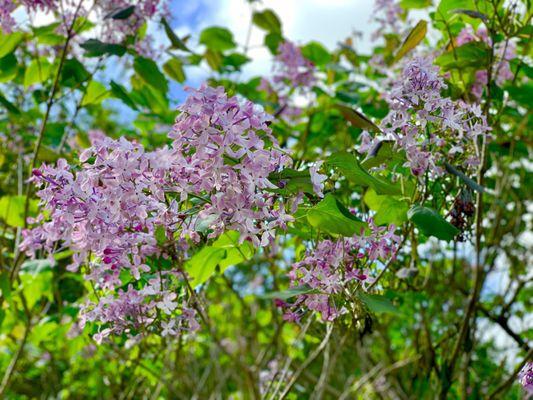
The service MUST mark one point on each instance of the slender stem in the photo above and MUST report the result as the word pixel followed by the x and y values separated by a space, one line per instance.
pixel 307 362
pixel 513 376
pixel 49 104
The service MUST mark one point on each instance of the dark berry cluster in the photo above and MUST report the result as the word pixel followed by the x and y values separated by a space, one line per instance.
pixel 462 211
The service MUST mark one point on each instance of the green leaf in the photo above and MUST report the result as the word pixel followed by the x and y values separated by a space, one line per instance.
pixel 447 7
pixel 414 4
pixel 202 265
pixel 267 20
pixel 96 48
pixel 472 14
pixel 174 69
pixel 150 73
pixel 8 68
pixel 217 39
pixel 291 181
pixel 121 13
pixel 383 153
pixel 95 93
pixel 8 43
pixel 235 61
pixel 272 41
pixel 5 285
pixel 160 235
pixel 469 182
pixel 389 210
pixel 12 210
pixel 334 218
pixel 224 252
pixel 288 293
pixel 213 59
pixel 37 72
pixel 37 284
pixel 175 41
pixel 118 91
pixel 235 252
pixel 430 223
pixel 10 107
pixel 36 266
pixel 417 34
pixel 472 54
pixel 349 166
pixel 378 304
pixel 73 73
pixel 48 35
pixel 316 53
pixel 357 119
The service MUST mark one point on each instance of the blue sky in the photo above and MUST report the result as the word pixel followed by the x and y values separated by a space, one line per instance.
pixel 327 21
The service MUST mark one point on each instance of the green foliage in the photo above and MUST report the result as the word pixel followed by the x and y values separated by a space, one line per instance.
pixel 37 72
pixel 267 20
pixel 402 329
pixel 349 166
pixel 332 217
pixel 316 53
pixel 149 72
pixel 217 39
pixel 431 223
pixel 96 48
pixel 417 34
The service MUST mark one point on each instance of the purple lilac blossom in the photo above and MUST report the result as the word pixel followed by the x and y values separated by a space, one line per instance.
pixel 388 14
pixel 430 128
pixel 525 377
pixel 293 74
pixel 213 178
pixel 333 265
pixel 504 53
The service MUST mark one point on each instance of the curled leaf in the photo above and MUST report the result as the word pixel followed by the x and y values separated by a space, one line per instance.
pixel 416 35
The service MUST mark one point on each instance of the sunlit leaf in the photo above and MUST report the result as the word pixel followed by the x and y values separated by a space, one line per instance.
pixel 417 34
pixel 121 93
pixel 357 119
pixel 332 217
pixel 175 41
pixel 38 71
pixel 349 166
pixel 95 93
pixel 267 20
pixel 174 69
pixel 217 39
pixel 9 42
pixel 150 73
pixel 316 53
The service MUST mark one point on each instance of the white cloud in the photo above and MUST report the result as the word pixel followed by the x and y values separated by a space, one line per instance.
pixel 326 21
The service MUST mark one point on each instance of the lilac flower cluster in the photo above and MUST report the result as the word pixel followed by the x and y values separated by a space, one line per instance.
pixel 7 22
pixel 388 16
pixel 430 128
pixel 292 68
pixel 504 53
pixel 292 74
pixel 333 265
pixel 525 378
pixel 112 210
pixel 115 31
pixel 226 150
pixel 112 29
pixel 7 7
